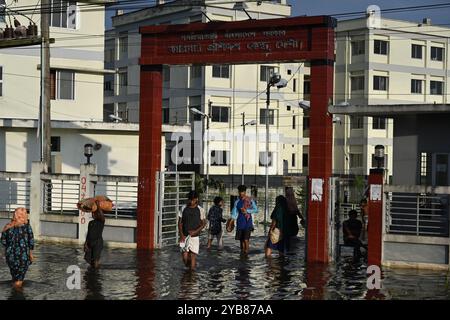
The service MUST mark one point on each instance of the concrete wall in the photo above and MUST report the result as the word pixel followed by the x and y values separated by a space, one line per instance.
pixel 417 253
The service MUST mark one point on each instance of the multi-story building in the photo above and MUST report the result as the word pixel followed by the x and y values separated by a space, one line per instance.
pixel 224 92
pixel 397 62
pixel 77 73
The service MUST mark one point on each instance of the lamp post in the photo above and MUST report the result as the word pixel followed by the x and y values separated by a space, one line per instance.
pixel 274 80
pixel 88 152
pixel 379 155
pixel 207 117
pixel 244 124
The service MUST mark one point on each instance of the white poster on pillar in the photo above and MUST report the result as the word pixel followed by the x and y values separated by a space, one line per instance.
pixel 316 189
pixel 375 192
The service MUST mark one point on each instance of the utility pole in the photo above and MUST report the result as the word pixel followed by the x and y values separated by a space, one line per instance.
pixel 45 116
pixel 243 149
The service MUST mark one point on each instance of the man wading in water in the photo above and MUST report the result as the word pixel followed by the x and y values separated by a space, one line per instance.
pixel 192 220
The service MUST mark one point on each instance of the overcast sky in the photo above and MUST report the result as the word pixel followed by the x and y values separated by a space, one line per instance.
pixel 330 7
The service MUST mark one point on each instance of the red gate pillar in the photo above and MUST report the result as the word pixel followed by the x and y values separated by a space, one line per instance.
pixel 320 157
pixel 375 224
pixel 150 121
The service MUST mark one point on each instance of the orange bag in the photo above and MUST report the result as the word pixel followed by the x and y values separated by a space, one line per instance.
pixel 90 204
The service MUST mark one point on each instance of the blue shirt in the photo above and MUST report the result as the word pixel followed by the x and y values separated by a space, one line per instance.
pixel 242 223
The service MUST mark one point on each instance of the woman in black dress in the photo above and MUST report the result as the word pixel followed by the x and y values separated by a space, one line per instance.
pixel 94 241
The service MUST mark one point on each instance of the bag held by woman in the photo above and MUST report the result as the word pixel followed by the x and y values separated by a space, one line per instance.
pixel 275 235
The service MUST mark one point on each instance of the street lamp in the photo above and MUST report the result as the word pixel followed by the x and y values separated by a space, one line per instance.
pixel 275 80
pixel 88 152
pixel 207 117
pixel 244 124
pixel 379 155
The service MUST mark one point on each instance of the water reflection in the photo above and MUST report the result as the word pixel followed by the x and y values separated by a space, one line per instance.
pixel 145 272
pixel 135 274
pixel 93 282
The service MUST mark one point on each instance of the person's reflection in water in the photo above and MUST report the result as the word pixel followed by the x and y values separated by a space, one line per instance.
pixel 278 275
pixel 316 279
pixel 93 283
pixel 17 294
pixel 189 289
pixel 145 287
pixel 354 281
pixel 243 281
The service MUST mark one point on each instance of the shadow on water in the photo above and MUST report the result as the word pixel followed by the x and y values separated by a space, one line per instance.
pixel 220 274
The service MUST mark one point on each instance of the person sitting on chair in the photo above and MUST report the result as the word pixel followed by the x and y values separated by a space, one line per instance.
pixel 352 228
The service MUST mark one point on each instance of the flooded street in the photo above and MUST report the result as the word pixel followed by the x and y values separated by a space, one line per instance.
pixel 129 274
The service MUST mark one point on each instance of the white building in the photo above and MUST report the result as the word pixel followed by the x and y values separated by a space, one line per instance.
pixel 398 62
pixel 222 91
pixel 77 72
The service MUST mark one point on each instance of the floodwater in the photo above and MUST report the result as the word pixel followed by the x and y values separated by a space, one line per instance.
pixel 225 274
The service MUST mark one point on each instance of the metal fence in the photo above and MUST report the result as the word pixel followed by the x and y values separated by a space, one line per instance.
pixel 61 193
pixel 172 190
pixel 14 191
pixel 417 214
pixel 122 190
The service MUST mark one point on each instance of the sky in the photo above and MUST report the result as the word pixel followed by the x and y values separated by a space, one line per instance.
pixel 330 7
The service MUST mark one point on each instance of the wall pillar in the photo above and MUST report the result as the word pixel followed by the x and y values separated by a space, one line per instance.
pixel 36 197
pixel 150 122
pixel 320 159
pixel 375 224
pixel 86 191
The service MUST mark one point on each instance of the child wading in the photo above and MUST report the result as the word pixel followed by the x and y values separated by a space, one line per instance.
pixel 242 212
pixel 216 219
pixel 191 222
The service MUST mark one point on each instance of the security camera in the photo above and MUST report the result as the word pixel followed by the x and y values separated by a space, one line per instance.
pixel 305 105
pixel 114 117
pixel 337 120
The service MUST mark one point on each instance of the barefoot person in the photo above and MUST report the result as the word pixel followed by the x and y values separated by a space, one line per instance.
pixel 94 239
pixel 17 237
pixel 192 220
pixel 243 209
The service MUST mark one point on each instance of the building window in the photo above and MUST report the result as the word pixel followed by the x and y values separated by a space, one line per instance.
pixel 416 86
pixel 219 158
pixel 62 85
pixel 63 14
pixel 263 116
pixel 380 47
pixel 305 122
pixel 109 52
pixel 416 51
pixel 288 108
pixel 262 159
pixel 220 114
pixel 293 159
pixel 1 81
pixel 305 160
pixel 358 47
pixel 108 87
pixel 356 160
pixel 356 122
pixel 380 83
pixel 196 72
pixel 294 85
pixel 357 83
pixel 108 109
pixel 165 111
pixel 289 72
pixel 437 54
pixel 221 71
pixel 436 87
pixel 378 123
pixel 266 72
pixel 123 81
pixel 123 46
pixel 294 119
pixel 55 144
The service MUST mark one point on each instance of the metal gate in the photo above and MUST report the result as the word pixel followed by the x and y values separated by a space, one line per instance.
pixel 171 194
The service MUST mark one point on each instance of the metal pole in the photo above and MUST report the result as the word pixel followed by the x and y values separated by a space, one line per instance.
pixel 45 85
pixel 243 149
pixel 266 197
pixel 207 154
